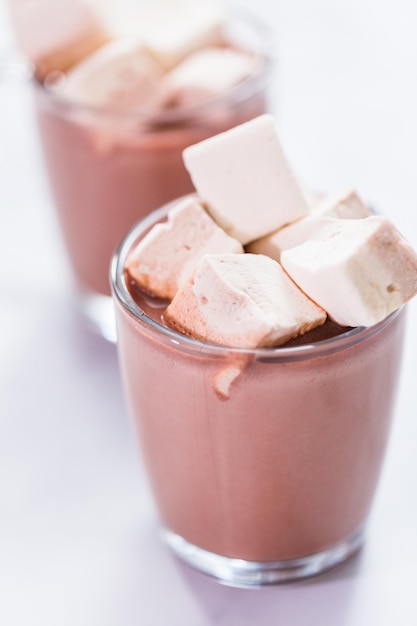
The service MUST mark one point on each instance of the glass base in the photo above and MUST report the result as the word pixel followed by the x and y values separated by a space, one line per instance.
pixel 241 573
pixel 98 313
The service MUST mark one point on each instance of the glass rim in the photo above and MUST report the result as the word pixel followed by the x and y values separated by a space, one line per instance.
pixel 184 343
pixel 236 94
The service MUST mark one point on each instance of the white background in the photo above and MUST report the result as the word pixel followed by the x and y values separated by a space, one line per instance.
pixel 78 536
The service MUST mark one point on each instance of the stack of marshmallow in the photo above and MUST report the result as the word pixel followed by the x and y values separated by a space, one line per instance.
pixel 172 53
pixel 301 263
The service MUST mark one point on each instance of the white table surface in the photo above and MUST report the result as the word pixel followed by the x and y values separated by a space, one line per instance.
pixel 78 536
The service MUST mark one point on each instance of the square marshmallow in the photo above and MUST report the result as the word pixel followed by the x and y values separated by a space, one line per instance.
pixel 242 301
pixel 245 179
pixel 205 74
pixel 344 205
pixel 168 254
pixel 119 74
pixel 173 29
pixel 57 34
pixel 359 271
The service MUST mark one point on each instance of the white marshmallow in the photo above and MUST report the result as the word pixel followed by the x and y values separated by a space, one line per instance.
pixel 173 29
pixel 244 177
pixel 243 301
pixel 344 205
pixel 285 238
pixel 120 74
pixel 168 254
pixel 359 271
pixel 56 34
pixel 207 73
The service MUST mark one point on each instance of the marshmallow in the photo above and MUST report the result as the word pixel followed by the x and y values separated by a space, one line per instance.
pixel 120 74
pixel 225 376
pixel 56 34
pixel 245 179
pixel 173 29
pixel 359 271
pixel 242 301
pixel 345 205
pixel 205 74
pixel 168 254
pixel 285 238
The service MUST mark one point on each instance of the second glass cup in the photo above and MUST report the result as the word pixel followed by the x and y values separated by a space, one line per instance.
pixel 109 168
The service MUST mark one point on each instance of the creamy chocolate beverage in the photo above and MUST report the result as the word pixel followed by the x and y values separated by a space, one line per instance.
pixel 269 456
pixel 262 383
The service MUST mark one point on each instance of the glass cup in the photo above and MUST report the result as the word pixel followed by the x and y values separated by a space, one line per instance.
pixel 108 168
pixel 274 480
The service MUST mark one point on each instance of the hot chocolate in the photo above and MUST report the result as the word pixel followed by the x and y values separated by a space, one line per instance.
pixel 268 456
